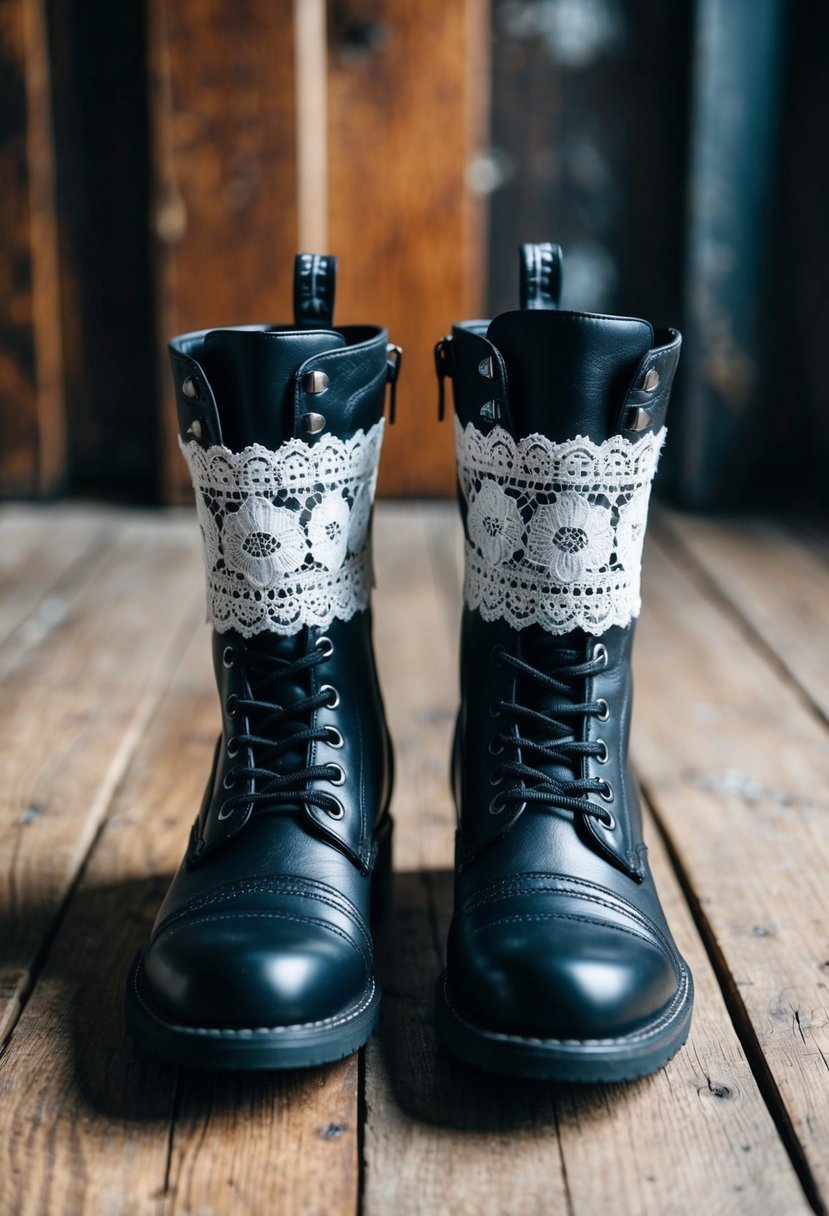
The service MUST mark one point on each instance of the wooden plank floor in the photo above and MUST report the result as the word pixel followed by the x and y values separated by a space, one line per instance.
pixel 108 718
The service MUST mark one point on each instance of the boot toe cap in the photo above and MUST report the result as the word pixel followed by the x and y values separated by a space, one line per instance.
pixel 561 978
pixel 251 970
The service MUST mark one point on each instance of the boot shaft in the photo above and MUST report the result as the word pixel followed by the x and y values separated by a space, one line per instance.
pixel 281 427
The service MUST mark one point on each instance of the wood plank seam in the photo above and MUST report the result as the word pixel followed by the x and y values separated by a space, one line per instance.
pixel 738 1013
pixel 106 796
pixel 662 528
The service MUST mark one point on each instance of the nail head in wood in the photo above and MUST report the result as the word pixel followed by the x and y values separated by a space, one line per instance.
pixel 314 382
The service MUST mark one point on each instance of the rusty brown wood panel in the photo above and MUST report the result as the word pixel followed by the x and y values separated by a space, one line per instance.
pixel 32 437
pixel 407 100
pixel 224 212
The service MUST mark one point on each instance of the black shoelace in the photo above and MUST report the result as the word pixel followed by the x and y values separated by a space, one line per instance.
pixel 271 736
pixel 556 741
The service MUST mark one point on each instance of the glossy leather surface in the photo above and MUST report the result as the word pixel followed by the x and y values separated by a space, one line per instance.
pixel 557 932
pixel 267 922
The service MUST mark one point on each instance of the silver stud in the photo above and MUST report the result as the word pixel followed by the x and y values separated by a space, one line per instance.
pixel 314 382
pixel 490 410
pixel 312 424
pixel 651 380
pixel 195 429
pixel 637 419
pixel 486 368
pixel 189 388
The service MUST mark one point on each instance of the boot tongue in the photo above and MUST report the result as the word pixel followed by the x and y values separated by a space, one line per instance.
pixel 251 372
pixel 568 372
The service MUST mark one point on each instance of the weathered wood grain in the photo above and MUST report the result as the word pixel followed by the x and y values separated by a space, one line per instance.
pixel 442 1137
pixel 224 215
pixel 40 549
pixel 80 677
pixel 737 768
pixel 32 436
pixel 776 579
pixel 407 102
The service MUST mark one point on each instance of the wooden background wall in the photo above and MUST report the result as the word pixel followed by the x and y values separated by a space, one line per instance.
pixel 161 161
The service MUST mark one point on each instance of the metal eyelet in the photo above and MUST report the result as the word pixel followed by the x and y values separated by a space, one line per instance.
pixel 493 780
pixel 231 700
pixel 607 821
pixel 337 812
pixel 604 754
pixel 233 752
pixel 223 814
pixel 494 711
pixel 325 641
pixel 604 712
pixel 340 777
pixel 228 785
pixel 600 652
pixel 495 655
pixel 606 792
pixel 493 750
pixel 335 696
pixel 227 656
pixel 334 739
pixel 495 807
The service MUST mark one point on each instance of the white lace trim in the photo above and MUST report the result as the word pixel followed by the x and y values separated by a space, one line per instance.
pixel 286 533
pixel 555 530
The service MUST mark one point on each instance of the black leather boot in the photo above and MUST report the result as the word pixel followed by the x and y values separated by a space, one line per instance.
pixel 261 955
pixel 560 963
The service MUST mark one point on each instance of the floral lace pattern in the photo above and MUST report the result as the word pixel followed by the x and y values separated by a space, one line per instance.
pixel 555 530
pixel 285 533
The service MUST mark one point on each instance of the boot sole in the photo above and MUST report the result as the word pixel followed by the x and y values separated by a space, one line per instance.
pixel 590 1060
pixel 277 1047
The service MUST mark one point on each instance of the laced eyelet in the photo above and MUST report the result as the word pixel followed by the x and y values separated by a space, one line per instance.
pixel 224 814
pixel 495 807
pixel 493 750
pixel 606 792
pixel 336 811
pixel 493 780
pixel 600 652
pixel 228 785
pixel 604 754
pixel 495 655
pixel 607 821
pixel 604 712
pixel 334 739
pixel 339 778
pixel 233 752
pixel 335 696
pixel 227 656
pixel 327 643
pixel 231 702
pixel 494 711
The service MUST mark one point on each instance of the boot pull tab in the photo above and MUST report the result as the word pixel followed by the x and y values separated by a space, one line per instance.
pixel 443 368
pixel 394 357
pixel 540 275
pixel 315 285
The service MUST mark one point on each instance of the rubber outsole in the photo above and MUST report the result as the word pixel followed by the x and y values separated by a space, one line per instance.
pixel 589 1061
pixel 277 1047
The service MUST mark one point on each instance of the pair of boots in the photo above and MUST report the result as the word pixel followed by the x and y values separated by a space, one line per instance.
pixel 560 963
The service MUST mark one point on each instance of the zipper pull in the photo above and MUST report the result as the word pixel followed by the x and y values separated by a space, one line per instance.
pixel 395 358
pixel 443 354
